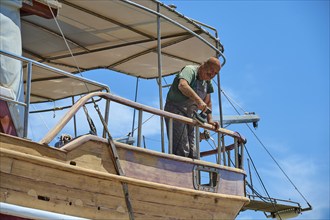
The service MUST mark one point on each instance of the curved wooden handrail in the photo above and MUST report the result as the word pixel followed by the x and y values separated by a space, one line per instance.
pixel 73 110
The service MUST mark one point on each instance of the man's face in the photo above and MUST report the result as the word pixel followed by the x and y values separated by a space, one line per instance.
pixel 209 71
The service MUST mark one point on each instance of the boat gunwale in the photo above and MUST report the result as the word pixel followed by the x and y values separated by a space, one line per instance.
pixel 108 176
pixel 85 138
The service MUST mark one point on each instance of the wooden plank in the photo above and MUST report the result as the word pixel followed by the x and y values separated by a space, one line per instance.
pixel 29 147
pixel 156 169
pixel 44 195
pixel 67 179
pixel 151 167
pixel 174 204
pixel 98 188
pixel 141 164
pixel 92 155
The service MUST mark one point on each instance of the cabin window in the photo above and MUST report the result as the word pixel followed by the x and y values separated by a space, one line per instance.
pixel 206 178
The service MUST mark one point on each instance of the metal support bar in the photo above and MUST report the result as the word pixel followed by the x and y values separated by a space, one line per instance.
pixel 170 136
pixel 140 128
pixel 197 142
pixel 179 25
pixel 74 120
pixel 221 121
pixel 229 158
pixel 135 99
pixel 106 115
pixel 27 99
pixel 144 142
pixel 46 67
pixel 236 152
pixel 12 101
pixel 219 147
pixel 242 155
pixel 159 50
pixel 224 152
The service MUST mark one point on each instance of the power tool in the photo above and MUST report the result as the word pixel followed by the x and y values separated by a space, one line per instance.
pixel 202 116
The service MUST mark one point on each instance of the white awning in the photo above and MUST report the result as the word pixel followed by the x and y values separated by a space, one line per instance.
pixel 116 35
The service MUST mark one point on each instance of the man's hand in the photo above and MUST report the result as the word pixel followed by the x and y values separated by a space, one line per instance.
pixel 201 105
pixel 215 124
pixel 186 90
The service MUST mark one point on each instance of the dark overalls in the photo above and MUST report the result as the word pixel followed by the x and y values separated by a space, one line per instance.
pixel 184 134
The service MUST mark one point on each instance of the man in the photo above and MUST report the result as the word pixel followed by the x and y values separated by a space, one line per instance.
pixel 189 92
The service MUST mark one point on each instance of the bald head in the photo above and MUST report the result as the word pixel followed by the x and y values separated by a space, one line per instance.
pixel 214 62
pixel 209 69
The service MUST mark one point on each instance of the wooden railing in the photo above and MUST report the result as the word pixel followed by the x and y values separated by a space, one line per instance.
pixel 223 152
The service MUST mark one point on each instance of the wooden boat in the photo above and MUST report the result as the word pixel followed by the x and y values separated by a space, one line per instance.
pixel 96 177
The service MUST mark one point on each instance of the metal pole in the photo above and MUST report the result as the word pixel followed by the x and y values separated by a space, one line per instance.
pixel 236 153
pixel 250 176
pixel 159 52
pixel 135 99
pixel 140 128
pixel 229 158
pixel 242 156
pixel 197 142
pixel 170 136
pixel 27 99
pixel 224 151
pixel 144 141
pixel 74 120
pixel 106 116
pixel 221 118
pixel 219 147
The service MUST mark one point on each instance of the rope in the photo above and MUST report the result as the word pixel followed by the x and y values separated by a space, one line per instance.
pixel 223 92
pixel 144 121
pixel 264 187
pixel 64 38
pixel 89 119
pixel 111 145
pixel 278 165
pixel 260 180
pixel 265 148
pixel 116 161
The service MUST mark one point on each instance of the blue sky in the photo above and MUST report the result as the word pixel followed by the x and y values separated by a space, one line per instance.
pixel 277 66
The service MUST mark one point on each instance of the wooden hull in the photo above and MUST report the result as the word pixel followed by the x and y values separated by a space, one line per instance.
pixel 81 181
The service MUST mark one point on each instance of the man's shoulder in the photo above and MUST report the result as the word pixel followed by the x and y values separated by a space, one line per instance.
pixel 192 67
pixel 189 70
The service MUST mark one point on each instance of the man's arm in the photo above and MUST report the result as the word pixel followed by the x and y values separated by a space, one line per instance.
pixel 186 90
pixel 208 101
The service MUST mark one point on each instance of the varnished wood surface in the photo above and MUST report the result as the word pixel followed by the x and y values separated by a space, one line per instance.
pixel 32 174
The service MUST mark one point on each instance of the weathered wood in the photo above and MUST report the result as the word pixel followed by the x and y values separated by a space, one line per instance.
pixel 108 96
pixel 30 147
pixel 90 188
pixel 148 165
pixel 215 151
